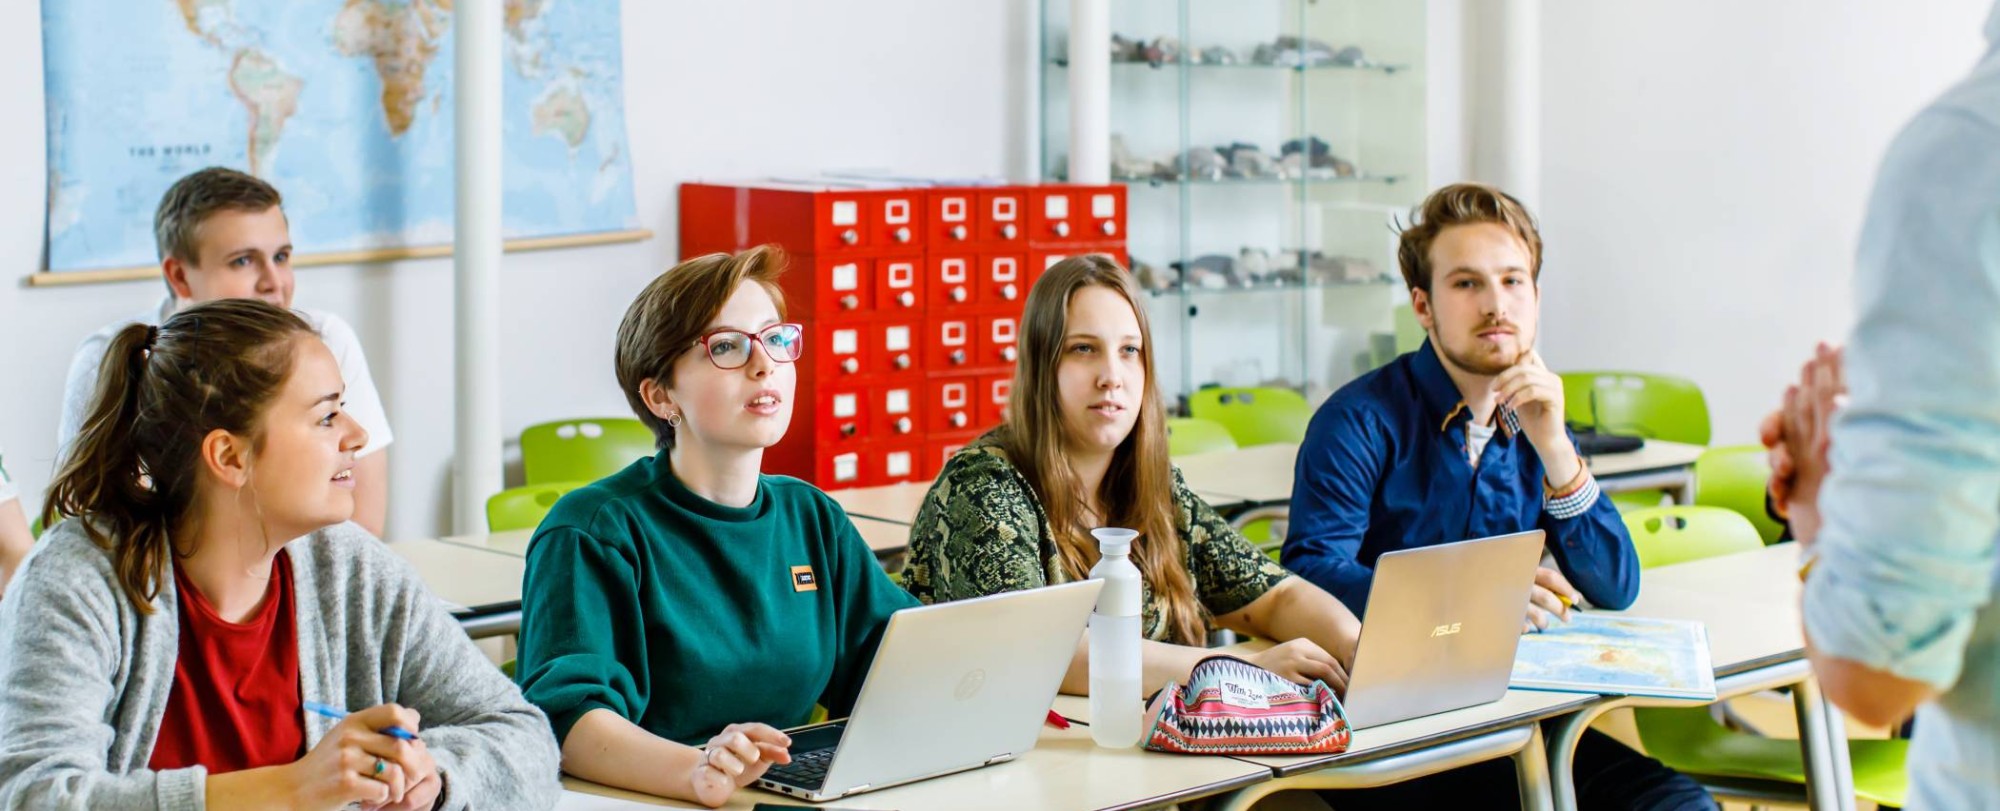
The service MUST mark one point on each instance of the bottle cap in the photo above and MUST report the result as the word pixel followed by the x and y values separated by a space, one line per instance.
pixel 1114 540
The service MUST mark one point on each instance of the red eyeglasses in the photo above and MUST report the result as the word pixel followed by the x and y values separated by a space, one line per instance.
pixel 730 348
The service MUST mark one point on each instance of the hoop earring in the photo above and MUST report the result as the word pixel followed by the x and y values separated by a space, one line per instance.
pixel 674 419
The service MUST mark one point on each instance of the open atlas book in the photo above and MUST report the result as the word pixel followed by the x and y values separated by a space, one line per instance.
pixel 1617 655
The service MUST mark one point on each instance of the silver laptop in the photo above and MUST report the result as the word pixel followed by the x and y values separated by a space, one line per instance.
pixel 954 686
pixel 1441 628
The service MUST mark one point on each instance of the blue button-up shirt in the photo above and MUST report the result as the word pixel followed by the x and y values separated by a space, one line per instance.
pixel 1383 467
pixel 1907 551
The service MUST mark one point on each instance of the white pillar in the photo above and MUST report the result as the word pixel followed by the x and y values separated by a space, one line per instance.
pixel 477 461
pixel 1090 91
pixel 1510 131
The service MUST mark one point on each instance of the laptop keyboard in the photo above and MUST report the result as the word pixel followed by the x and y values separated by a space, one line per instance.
pixel 807 770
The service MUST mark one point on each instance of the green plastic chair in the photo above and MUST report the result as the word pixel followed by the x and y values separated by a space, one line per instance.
pixel 1732 764
pixel 1648 405
pixel 1628 500
pixel 1667 535
pixel 524 507
pixel 1736 478
pixel 1254 416
pixel 1187 435
pixel 583 450
pixel 1263 527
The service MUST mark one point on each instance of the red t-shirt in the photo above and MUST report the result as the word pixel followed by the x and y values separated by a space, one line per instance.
pixel 235 702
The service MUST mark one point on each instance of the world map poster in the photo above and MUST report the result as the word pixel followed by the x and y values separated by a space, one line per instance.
pixel 344 105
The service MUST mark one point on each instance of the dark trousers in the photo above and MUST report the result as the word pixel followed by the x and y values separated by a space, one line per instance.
pixel 1610 776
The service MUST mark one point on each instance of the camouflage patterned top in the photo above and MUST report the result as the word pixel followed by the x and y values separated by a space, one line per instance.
pixel 982 531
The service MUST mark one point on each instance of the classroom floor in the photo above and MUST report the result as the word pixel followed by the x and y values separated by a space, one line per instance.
pixel 1770 712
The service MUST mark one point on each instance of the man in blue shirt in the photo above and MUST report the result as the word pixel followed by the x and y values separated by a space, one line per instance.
pixel 1464 438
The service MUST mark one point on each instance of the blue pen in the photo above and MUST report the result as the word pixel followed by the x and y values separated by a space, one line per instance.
pixel 398 733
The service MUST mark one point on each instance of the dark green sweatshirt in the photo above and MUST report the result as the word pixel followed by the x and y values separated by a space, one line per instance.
pixel 685 616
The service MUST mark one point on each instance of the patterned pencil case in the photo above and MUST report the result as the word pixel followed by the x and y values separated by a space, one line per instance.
pixel 1232 707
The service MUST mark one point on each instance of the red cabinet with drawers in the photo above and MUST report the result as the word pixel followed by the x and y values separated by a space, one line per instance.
pixel 912 299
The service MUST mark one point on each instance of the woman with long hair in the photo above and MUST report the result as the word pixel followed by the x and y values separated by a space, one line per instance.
pixel 1084 446
pixel 165 646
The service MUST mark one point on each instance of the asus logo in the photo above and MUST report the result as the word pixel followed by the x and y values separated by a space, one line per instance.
pixel 1445 630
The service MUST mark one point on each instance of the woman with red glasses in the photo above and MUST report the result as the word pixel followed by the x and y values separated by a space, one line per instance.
pixel 689 599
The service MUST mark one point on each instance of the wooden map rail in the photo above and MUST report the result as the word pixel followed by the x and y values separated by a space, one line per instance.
pixel 49 278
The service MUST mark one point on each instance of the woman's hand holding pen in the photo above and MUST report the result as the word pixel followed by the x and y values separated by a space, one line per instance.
pixel 356 762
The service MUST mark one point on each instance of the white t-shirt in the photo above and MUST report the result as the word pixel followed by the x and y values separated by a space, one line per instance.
pixel 363 403
pixel 7 490
pixel 1476 437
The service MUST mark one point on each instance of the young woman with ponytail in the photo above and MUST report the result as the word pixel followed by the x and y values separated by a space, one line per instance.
pixel 160 646
pixel 1084 446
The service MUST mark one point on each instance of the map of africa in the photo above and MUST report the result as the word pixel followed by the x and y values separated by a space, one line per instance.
pixel 344 105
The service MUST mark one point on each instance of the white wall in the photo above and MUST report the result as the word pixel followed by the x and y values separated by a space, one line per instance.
pixel 1706 165
pixel 719 90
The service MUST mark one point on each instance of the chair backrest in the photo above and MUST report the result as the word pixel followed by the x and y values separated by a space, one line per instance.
pixel 1648 405
pixel 582 450
pixel 1187 435
pixel 1667 535
pixel 524 507
pixel 1254 416
pixel 1736 478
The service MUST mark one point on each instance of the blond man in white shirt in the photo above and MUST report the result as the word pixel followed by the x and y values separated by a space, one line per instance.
pixel 223 234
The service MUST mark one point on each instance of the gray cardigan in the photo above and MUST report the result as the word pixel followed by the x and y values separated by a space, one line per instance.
pixel 84 678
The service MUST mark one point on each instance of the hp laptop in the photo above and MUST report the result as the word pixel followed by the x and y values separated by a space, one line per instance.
pixel 954 686
pixel 1441 628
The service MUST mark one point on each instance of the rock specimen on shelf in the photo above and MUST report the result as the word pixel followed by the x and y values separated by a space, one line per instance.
pixel 1313 157
pixel 1253 266
pixel 1125 49
pixel 1217 55
pixel 1209 272
pixel 1246 160
pixel 1155 278
pixel 1201 163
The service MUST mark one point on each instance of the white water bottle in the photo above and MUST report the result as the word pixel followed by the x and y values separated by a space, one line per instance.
pixel 1115 669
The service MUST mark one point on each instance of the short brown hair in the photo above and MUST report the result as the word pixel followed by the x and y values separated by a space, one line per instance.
pixel 130 476
pixel 674 310
pixel 1463 204
pixel 195 198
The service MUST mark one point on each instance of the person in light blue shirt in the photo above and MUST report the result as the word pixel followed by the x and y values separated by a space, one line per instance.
pixel 1897 496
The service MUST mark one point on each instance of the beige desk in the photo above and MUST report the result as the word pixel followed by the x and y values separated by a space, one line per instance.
pixel 1659 465
pixel 1262 474
pixel 1749 604
pixel 1405 750
pixel 882 536
pixel 1258 474
pixel 895 503
pixel 1064 771
pixel 485 583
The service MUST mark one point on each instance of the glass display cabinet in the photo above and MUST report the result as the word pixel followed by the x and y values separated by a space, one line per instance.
pixel 1270 147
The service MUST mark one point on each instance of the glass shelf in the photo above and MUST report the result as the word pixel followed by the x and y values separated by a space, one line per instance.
pixel 1387 70
pixel 1196 292
pixel 1258 181
pixel 1366 112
